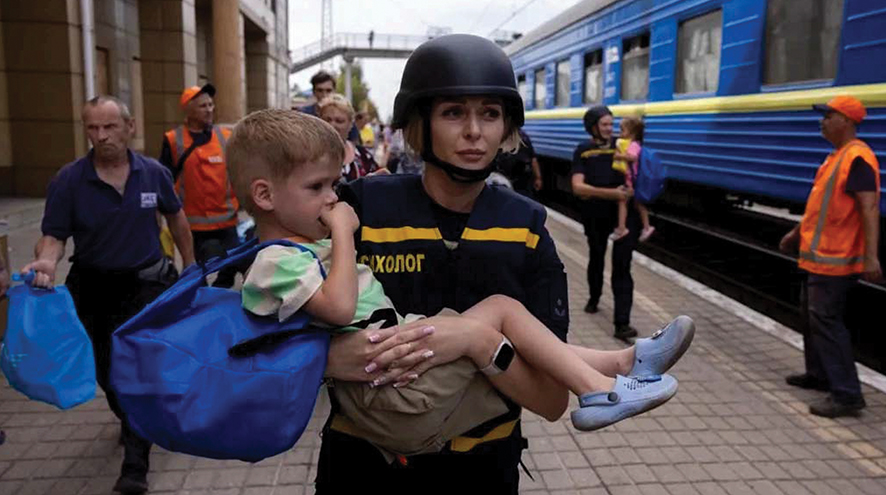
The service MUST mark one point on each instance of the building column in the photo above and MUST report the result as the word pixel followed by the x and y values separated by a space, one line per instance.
pixel 43 69
pixel 5 138
pixel 259 76
pixel 228 66
pixel 168 64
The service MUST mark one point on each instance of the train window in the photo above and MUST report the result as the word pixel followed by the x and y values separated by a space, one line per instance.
pixel 594 77
pixel 635 68
pixel 541 89
pixel 563 83
pixel 698 51
pixel 521 87
pixel 802 43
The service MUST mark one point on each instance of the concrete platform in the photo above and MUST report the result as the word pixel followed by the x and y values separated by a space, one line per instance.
pixel 733 428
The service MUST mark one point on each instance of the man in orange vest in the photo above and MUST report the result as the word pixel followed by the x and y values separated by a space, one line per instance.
pixel 195 152
pixel 838 243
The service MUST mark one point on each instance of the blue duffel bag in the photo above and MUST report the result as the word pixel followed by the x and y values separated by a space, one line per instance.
pixel 46 353
pixel 196 373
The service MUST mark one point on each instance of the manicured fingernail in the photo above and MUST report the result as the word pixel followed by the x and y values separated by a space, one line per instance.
pixel 378 381
pixel 427 330
pixel 370 367
pixel 427 355
pixel 373 338
pixel 412 376
pixel 400 384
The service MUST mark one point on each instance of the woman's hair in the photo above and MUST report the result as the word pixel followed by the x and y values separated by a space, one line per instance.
pixel 634 126
pixel 270 144
pixel 414 134
pixel 336 101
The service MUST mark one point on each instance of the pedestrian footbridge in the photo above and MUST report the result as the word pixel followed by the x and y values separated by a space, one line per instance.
pixel 354 45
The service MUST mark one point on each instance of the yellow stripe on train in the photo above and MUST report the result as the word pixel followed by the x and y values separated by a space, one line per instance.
pixel 872 95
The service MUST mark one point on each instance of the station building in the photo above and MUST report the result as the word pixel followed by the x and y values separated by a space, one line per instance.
pixel 144 52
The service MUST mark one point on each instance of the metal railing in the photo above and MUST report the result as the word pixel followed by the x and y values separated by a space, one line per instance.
pixel 361 41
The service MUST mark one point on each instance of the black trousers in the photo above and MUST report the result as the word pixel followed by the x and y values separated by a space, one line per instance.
pixel 212 243
pixel 104 302
pixel 351 465
pixel 598 225
pixel 827 344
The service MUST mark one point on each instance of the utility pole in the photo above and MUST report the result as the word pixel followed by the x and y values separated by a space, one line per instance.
pixel 326 27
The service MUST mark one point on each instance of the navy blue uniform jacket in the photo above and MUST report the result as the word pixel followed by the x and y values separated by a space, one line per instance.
pixel 504 249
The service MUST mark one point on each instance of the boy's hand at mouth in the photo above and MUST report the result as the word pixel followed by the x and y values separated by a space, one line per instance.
pixel 340 216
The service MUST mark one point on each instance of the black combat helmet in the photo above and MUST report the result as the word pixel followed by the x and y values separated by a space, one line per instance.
pixel 457 64
pixel 593 115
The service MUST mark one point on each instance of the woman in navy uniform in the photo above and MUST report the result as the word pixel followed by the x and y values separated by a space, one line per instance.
pixel 600 188
pixel 445 239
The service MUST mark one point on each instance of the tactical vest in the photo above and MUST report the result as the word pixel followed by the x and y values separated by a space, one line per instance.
pixel 831 232
pixel 203 184
pixel 406 251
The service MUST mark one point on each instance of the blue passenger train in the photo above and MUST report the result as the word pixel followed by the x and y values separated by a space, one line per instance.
pixel 725 86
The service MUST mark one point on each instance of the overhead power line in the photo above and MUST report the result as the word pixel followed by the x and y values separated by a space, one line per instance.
pixel 514 14
pixel 480 17
pixel 414 13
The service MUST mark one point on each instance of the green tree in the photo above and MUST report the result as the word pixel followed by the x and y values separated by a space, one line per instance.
pixel 359 89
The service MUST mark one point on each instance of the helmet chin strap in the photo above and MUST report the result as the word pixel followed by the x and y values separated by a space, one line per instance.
pixel 457 174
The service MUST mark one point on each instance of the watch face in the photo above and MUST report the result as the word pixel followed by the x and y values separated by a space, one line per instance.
pixel 504 357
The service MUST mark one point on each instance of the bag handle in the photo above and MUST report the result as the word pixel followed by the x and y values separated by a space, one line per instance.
pixel 28 279
pixel 249 347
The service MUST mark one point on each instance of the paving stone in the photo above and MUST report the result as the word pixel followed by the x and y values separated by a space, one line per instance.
pixel 613 475
pixel 640 473
pixel 765 487
pixel 693 472
pixel 262 476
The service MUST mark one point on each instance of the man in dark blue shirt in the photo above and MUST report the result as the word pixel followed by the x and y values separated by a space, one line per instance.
pixel 323 85
pixel 109 202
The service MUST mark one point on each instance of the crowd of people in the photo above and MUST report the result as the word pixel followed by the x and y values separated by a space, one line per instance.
pixel 476 260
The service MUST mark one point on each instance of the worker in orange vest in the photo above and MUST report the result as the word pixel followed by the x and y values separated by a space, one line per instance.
pixel 838 240
pixel 195 152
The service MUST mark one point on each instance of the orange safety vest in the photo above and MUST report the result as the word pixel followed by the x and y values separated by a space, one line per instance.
pixel 203 184
pixel 832 232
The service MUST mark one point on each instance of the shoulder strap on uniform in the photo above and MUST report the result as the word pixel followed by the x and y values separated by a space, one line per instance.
pixel 179 141
pixel 221 137
pixel 180 164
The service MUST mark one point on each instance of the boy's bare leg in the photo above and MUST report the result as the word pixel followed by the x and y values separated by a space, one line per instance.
pixel 610 363
pixel 538 346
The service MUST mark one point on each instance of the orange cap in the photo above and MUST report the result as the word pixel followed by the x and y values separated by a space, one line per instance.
pixel 847 105
pixel 190 93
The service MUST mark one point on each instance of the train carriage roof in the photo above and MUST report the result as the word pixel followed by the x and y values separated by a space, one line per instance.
pixel 568 17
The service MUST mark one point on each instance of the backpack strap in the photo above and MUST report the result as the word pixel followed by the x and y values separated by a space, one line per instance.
pixel 251 346
pixel 247 251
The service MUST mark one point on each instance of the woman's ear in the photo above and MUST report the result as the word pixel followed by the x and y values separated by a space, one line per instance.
pixel 262 192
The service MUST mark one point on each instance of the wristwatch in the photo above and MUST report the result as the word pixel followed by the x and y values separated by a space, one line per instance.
pixel 502 358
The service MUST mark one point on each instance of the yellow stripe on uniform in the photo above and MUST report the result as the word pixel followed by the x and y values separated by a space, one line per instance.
pixel 399 234
pixel 501 234
pixel 458 444
pixel 465 444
